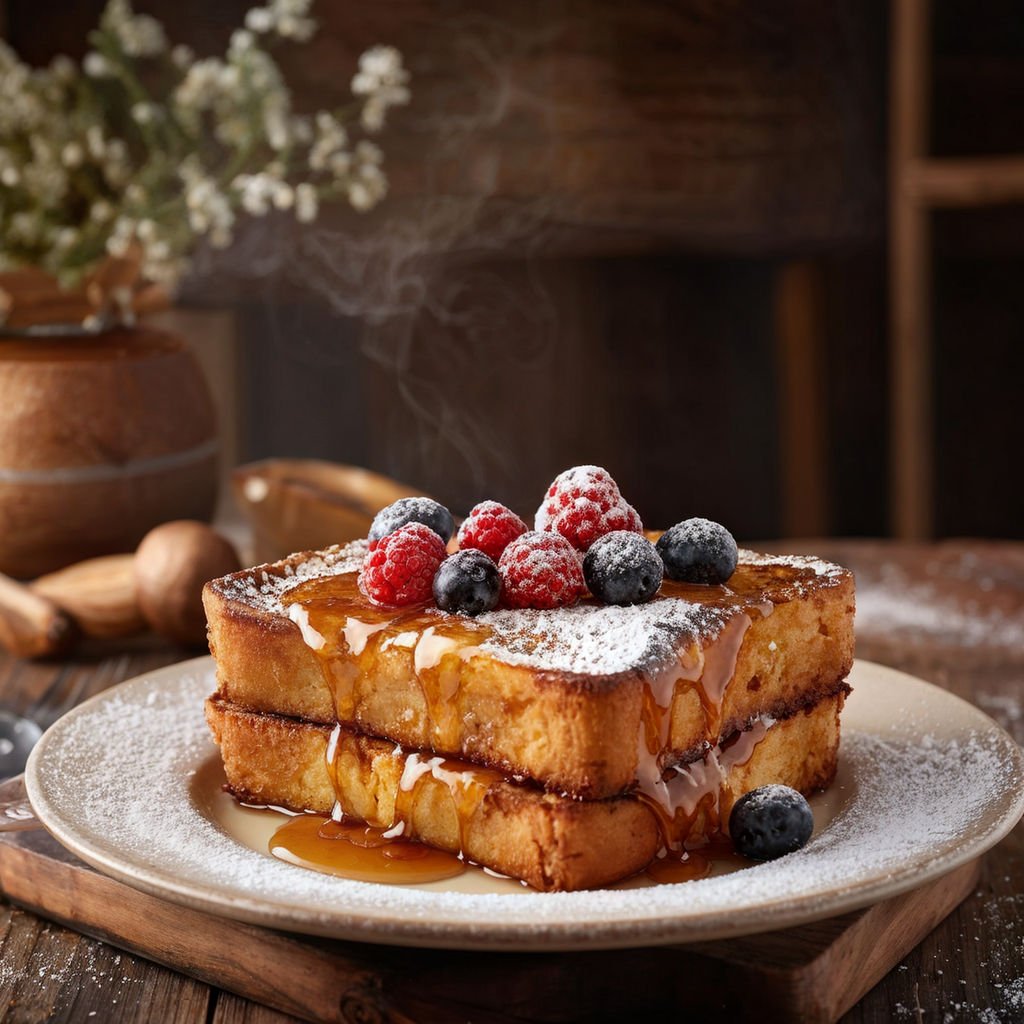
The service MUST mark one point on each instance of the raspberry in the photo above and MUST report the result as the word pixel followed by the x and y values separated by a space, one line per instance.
pixel 583 504
pixel 541 570
pixel 490 528
pixel 400 569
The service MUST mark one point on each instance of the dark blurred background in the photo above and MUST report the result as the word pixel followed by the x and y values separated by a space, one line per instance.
pixel 761 260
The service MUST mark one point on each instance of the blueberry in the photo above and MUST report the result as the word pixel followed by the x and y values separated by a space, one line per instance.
pixel 769 822
pixel 698 551
pixel 413 510
pixel 622 567
pixel 467 582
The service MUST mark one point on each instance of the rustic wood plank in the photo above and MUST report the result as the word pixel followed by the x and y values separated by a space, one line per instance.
pixel 51 974
pixel 230 1009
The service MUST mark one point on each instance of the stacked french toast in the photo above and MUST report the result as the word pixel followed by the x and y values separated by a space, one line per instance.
pixel 563 705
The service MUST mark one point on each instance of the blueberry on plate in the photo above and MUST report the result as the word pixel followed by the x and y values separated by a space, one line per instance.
pixel 467 582
pixel 412 510
pixel 622 567
pixel 698 551
pixel 770 822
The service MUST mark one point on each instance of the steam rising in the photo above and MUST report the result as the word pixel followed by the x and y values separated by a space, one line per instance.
pixel 421 277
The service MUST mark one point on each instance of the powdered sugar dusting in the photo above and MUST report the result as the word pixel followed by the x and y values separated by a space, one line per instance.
pixel 811 563
pixel 601 639
pixel 916 796
pixel 265 586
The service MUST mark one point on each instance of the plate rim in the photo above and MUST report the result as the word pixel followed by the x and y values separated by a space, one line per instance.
pixel 382 926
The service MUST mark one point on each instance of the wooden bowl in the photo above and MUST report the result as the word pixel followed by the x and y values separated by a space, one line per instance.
pixel 101 439
pixel 306 504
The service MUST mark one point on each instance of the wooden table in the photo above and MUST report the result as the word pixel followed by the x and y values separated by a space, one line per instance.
pixel 951 613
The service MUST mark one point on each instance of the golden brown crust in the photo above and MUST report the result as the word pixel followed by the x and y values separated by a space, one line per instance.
pixel 572 732
pixel 550 841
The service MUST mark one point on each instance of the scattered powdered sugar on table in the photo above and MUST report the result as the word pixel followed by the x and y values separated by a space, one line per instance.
pixel 894 607
pixel 115 776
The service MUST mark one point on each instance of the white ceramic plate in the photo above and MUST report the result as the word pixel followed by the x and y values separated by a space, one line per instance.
pixel 129 781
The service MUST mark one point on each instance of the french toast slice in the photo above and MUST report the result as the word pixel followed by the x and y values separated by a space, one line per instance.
pixel 550 841
pixel 586 700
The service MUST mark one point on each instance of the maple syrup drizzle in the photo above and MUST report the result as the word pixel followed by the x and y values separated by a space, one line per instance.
pixel 350 635
pixel 354 639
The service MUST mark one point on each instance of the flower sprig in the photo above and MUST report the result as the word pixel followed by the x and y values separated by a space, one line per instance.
pixel 150 149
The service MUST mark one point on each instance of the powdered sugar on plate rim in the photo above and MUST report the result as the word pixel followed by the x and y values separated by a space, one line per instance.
pixel 930 781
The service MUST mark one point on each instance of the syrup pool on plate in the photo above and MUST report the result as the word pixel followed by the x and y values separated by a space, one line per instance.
pixel 361 852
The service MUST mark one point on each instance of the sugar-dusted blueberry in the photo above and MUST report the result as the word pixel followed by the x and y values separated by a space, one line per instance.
pixel 412 510
pixel 770 822
pixel 698 551
pixel 467 582
pixel 622 567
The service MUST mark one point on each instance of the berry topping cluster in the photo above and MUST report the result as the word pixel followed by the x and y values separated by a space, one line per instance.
pixel 586 537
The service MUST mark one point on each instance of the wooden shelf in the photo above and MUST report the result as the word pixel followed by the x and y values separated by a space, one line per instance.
pixel 954 182
pixel 918 184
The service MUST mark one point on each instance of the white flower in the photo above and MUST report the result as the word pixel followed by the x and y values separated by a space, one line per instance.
pixel 259 19
pixel 360 196
pixel 241 41
pixel 284 196
pixel 340 164
pixel 101 211
pixel 65 238
pixel 383 81
pixel 145 113
pixel 286 18
pixel 255 192
pixel 72 155
pixel 95 142
pixel 9 176
pixel 197 89
pixel 275 125
pixel 139 34
pixel 97 66
pixel 182 56
pixel 331 137
pixel 230 77
pixel 307 205
pixel 209 211
pixel 121 236
pixel 380 65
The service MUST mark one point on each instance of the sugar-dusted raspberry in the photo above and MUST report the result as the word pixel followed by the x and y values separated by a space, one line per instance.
pixel 541 570
pixel 585 503
pixel 400 569
pixel 490 528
